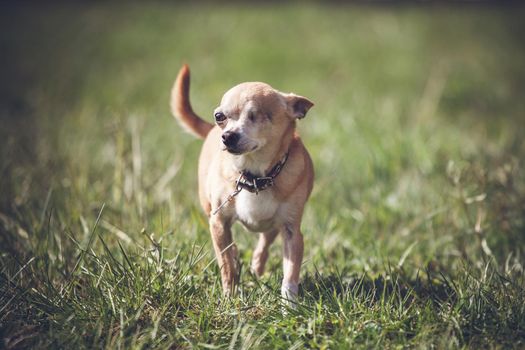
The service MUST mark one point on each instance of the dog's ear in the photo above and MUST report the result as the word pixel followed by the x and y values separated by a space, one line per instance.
pixel 298 106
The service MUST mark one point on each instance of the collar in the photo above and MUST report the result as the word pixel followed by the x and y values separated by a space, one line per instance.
pixel 254 184
pixel 251 183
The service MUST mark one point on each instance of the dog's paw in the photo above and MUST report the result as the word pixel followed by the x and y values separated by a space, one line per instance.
pixel 289 294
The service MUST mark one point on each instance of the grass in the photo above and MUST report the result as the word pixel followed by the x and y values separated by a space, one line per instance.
pixel 415 231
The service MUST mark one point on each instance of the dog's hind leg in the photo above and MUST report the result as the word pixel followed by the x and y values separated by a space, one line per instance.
pixel 225 252
pixel 260 254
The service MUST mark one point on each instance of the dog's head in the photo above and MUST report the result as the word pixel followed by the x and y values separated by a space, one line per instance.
pixel 252 115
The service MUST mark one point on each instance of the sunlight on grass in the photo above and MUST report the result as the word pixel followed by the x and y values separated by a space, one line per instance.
pixel 415 231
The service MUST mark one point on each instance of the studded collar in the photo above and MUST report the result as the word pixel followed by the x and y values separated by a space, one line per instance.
pixel 254 184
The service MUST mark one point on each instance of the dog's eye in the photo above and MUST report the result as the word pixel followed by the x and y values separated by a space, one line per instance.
pixel 220 117
pixel 251 117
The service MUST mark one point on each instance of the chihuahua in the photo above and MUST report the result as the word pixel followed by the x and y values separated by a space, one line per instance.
pixel 253 168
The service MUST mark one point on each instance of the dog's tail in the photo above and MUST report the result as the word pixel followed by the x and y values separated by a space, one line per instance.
pixel 181 106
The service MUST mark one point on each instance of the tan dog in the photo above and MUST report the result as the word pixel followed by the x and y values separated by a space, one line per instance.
pixel 253 168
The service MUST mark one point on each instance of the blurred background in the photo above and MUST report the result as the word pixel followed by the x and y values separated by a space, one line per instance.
pixel 416 134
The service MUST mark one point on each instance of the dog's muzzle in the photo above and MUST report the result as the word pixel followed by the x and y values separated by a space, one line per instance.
pixel 230 140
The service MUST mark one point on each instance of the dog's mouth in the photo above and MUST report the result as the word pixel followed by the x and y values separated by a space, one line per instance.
pixel 233 151
pixel 237 151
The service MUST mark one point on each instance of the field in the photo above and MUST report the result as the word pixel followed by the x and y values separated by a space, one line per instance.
pixel 415 231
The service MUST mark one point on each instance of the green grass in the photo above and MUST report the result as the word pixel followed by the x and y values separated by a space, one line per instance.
pixel 415 231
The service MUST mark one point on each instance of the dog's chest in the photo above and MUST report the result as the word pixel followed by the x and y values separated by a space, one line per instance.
pixel 258 212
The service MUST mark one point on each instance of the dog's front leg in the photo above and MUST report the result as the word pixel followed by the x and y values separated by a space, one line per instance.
pixel 292 259
pixel 225 252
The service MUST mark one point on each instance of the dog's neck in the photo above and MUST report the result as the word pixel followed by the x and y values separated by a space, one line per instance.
pixel 260 162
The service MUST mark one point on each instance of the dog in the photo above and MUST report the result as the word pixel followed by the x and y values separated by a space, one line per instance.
pixel 253 168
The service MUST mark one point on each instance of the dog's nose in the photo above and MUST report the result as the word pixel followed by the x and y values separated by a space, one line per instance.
pixel 230 138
